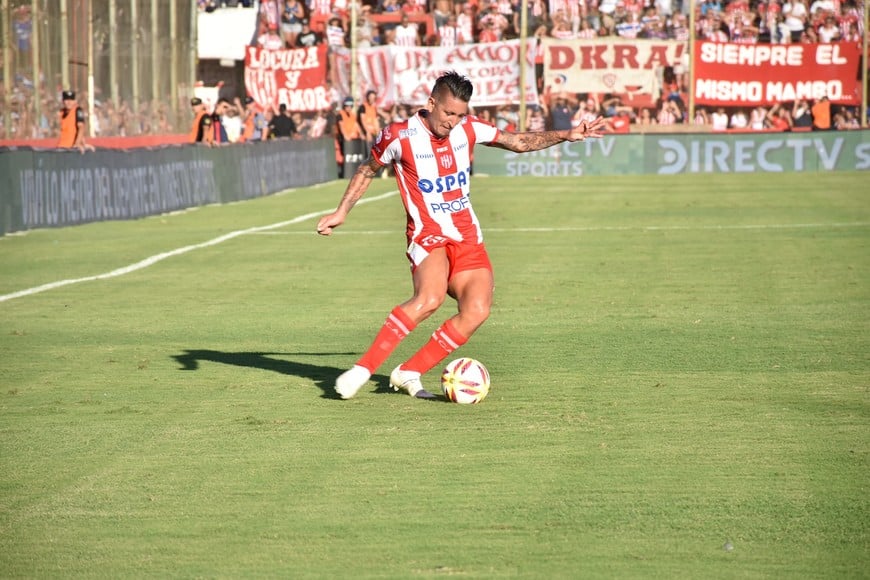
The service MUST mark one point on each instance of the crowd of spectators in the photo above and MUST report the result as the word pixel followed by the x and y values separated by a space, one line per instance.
pixel 451 22
pixel 297 23
pixel 110 119
pixel 302 23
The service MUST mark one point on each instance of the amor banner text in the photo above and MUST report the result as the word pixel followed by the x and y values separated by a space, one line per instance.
pixel 294 77
pixel 406 74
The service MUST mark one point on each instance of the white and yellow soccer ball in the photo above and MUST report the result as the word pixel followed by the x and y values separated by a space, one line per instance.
pixel 465 381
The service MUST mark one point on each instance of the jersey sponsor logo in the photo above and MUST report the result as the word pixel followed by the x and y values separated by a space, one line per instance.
pixel 445 182
pixel 442 149
pixel 425 156
pixel 460 147
pixel 450 206
pixel 407 133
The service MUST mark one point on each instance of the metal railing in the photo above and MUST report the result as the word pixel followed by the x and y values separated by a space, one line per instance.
pixel 137 58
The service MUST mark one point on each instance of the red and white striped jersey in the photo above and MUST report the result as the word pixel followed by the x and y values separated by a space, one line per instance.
pixel 450 36
pixel 433 176
pixel 321 7
pixel 334 35
pixel 406 35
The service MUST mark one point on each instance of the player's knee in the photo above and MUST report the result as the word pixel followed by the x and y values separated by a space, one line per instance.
pixel 477 311
pixel 426 305
pixel 432 303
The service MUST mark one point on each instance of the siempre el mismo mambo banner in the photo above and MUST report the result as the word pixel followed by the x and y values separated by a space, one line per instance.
pixel 295 77
pixel 729 74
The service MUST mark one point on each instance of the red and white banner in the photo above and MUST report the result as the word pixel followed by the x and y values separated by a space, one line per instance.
pixel 609 65
pixel 763 74
pixel 295 77
pixel 406 74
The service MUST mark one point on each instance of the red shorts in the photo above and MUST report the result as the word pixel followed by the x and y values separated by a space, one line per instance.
pixel 460 255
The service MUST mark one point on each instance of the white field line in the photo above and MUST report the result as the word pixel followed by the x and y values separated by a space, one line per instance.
pixel 604 229
pixel 150 261
pixel 267 230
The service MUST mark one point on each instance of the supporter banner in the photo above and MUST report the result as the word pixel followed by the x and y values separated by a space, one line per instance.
pixel 763 74
pixel 608 65
pixel 295 77
pixel 224 34
pixel 406 74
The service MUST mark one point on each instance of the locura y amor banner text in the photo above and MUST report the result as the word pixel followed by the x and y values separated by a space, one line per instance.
pixel 294 77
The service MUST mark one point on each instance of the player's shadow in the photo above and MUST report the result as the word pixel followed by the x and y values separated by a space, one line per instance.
pixel 322 376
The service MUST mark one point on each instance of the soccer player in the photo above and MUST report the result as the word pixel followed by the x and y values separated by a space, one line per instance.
pixel 431 155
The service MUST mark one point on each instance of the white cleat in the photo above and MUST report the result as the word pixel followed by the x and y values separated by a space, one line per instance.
pixel 349 382
pixel 409 381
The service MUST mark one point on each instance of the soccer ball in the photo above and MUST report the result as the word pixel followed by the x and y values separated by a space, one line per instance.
pixel 465 381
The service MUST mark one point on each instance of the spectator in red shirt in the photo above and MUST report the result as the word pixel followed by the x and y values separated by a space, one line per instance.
pixel 778 118
pixel 619 123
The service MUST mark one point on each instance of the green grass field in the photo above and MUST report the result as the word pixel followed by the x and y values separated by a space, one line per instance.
pixel 681 389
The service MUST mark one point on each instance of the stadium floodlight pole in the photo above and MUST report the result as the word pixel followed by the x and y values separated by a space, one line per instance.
pixel 64 45
pixel 113 51
pixel 173 58
pixel 524 34
pixel 691 67
pixel 91 97
pixel 192 47
pixel 354 80
pixel 35 53
pixel 7 69
pixel 155 51
pixel 134 52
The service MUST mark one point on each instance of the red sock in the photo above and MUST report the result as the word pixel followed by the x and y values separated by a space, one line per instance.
pixel 394 330
pixel 444 340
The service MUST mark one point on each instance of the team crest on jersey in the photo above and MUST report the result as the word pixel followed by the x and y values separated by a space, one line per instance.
pixel 446 161
pixel 407 133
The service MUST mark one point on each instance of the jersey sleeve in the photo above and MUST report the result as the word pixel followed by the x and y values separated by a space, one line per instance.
pixel 387 147
pixel 484 132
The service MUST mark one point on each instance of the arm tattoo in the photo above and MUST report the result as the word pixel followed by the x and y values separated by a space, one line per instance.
pixel 528 141
pixel 359 183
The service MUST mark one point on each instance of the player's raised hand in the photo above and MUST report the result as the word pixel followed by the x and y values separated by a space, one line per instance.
pixel 588 129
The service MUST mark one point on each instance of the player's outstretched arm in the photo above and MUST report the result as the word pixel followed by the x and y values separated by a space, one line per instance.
pixel 358 185
pixel 534 141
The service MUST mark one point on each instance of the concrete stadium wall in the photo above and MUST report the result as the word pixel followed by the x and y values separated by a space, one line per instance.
pixel 53 188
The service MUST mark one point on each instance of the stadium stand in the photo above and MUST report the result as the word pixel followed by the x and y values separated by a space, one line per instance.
pixel 227 26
